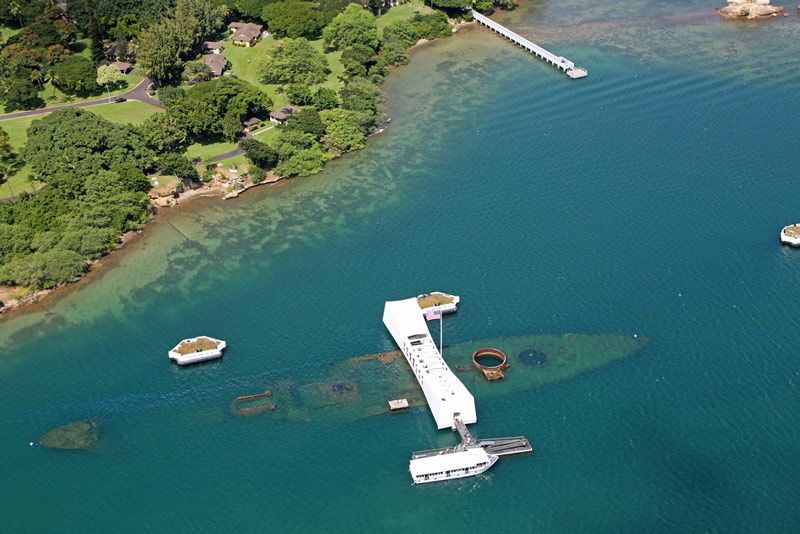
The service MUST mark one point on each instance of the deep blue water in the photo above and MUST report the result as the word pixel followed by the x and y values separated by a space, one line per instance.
pixel 644 199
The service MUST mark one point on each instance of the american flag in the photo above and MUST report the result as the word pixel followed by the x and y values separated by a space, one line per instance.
pixel 433 314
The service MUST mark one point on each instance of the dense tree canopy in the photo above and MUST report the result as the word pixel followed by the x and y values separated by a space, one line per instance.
pixel 74 139
pixel 345 130
pixel 76 75
pixel 94 192
pixel 203 111
pixel 142 10
pixel 165 45
pixel 295 61
pixel 360 95
pixel 353 25
pixel 251 9
pixel 260 154
pixel 306 121
pixel 163 133
pixel 294 18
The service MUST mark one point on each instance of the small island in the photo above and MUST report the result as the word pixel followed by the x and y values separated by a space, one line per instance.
pixel 749 9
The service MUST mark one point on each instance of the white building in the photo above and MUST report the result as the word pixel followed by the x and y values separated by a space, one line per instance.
pixel 447 397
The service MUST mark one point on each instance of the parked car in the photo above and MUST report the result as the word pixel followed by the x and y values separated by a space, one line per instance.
pixel 120 99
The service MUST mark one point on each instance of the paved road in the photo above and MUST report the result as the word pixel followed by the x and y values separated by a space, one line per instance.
pixel 138 93
pixel 238 151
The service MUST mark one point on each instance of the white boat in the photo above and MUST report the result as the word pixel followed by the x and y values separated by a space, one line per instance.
pixel 451 465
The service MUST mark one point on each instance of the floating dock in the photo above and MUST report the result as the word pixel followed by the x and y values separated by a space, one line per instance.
pixel 559 62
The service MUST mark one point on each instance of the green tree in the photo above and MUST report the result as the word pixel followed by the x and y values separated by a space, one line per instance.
pixel 196 116
pixel 159 52
pixel 260 154
pixel 163 133
pixel 307 121
pixel 195 71
pixel 353 25
pixel 452 4
pixel 345 130
pixel 252 9
pixel 294 18
pixel 167 93
pixel 76 75
pixel 303 163
pixel 122 43
pixel 325 98
pixel 37 78
pixel 95 33
pixel 198 18
pixel 44 270
pixel 22 94
pixel 51 78
pixel 108 75
pixel 177 164
pixel 360 95
pixel 295 61
pixel 79 141
pixel 299 94
pixel 231 124
pixel 357 59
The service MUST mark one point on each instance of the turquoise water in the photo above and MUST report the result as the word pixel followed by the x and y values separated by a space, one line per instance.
pixel 644 199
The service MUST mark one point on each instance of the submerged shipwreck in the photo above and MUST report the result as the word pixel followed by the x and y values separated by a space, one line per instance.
pixel 80 435
pixel 360 387
pixel 448 383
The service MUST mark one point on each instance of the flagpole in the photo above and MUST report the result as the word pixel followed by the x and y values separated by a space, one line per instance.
pixel 441 347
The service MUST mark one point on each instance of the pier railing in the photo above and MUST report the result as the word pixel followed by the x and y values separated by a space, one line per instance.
pixel 559 62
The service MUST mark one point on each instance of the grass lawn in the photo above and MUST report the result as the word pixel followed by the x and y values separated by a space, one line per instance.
pixel 246 64
pixel 46 94
pixel 125 112
pixel 81 48
pixel 8 32
pixel 266 136
pixel 130 112
pixel 403 11
pixel 209 150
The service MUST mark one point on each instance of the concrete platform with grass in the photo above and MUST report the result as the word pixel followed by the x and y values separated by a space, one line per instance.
pixel 196 350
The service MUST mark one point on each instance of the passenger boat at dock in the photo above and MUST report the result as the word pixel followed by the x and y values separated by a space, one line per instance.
pixel 450 465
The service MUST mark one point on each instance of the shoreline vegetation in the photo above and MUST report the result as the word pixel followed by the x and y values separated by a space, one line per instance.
pixel 94 195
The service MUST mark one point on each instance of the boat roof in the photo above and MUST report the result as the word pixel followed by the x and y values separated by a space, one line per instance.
pixel 447 462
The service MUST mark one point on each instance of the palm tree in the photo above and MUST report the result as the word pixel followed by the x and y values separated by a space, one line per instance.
pixel 36 77
pixel 16 11
pixel 51 77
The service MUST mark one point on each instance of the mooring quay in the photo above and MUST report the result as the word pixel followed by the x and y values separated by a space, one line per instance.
pixel 557 61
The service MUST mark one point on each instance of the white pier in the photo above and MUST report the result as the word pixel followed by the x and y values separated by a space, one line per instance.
pixel 447 397
pixel 557 61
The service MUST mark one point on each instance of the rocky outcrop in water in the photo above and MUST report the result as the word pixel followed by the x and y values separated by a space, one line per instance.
pixel 749 9
pixel 77 435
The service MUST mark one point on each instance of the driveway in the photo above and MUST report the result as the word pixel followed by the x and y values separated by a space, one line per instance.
pixel 138 93
pixel 238 151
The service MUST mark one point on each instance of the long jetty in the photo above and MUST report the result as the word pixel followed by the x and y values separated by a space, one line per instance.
pixel 559 62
